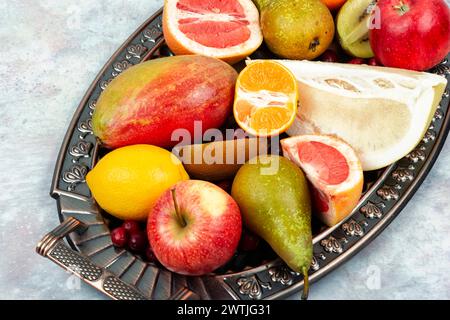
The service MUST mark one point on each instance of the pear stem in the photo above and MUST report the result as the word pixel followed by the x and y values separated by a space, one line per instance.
pixel 177 209
pixel 305 284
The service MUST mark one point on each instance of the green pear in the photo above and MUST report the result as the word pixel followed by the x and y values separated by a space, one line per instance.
pixel 273 196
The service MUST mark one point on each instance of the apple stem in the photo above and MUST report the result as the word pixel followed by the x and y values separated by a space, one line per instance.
pixel 402 8
pixel 305 284
pixel 177 209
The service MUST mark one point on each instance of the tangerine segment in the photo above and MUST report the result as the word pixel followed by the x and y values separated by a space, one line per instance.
pixel 245 111
pixel 266 98
pixel 270 119
pixel 267 75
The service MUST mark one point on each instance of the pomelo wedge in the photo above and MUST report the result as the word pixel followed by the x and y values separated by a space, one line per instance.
pixel 227 30
pixel 383 113
pixel 334 171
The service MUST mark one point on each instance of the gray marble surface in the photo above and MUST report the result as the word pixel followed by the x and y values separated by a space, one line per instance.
pixel 50 52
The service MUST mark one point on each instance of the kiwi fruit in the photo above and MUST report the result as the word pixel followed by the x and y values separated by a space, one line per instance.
pixel 352 27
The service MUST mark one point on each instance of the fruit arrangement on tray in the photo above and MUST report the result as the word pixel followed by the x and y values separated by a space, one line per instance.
pixel 201 161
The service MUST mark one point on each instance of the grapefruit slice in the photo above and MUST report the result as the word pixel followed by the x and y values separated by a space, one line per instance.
pixel 383 113
pixel 225 29
pixel 334 171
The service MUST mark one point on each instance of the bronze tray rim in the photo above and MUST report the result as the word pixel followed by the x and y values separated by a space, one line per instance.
pixel 376 210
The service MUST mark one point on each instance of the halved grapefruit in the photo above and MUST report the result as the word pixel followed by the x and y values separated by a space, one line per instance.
pixel 333 170
pixel 225 29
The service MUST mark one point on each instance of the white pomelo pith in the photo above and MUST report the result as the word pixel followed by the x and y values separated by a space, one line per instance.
pixel 382 113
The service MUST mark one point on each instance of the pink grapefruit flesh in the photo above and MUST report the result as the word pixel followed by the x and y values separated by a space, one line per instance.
pixel 330 165
pixel 228 30
pixel 204 29
pixel 333 170
pixel 216 34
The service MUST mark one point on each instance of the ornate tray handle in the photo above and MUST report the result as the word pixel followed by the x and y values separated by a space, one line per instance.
pixel 53 247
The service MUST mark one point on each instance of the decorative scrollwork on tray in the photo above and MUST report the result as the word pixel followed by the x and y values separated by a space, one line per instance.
pixel 438 115
pixel 388 192
pixel 80 150
pixel 417 154
pixel 446 94
pixel 331 244
pixel 430 135
pixel 92 106
pixel 85 126
pixel 135 51
pixel 403 174
pixel 120 67
pixel 252 286
pixel 353 228
pixel 105 83
pixel 282 274
pixel 315 264
pixel 75 175
pixel 152 34
pixel 372 210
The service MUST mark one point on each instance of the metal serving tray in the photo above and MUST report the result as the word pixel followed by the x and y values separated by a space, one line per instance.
pixel 118 273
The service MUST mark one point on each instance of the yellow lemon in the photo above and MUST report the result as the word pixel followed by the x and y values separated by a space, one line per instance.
pixel 127 181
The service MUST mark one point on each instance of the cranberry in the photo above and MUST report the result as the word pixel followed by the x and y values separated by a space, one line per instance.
pixel 249 241
pixel 329 56
pixel 357 61
pixel 150 255
pixel 373 62
pixel 119 237
pixel 138 241
pixel 131 226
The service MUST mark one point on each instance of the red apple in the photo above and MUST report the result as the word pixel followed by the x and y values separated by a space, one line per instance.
pixel 413 34
pixel 194 228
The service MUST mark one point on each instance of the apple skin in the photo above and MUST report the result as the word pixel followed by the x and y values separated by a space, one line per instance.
pixel 211 235
pixel 417 39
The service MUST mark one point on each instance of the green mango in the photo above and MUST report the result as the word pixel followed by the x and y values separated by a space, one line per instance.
pixel 273 196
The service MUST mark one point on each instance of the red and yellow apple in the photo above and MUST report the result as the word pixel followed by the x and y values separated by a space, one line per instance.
pixel 148 102
pixel 194 228
pixel 412 34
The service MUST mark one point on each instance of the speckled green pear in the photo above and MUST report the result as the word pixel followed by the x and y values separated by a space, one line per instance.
pixel 273 196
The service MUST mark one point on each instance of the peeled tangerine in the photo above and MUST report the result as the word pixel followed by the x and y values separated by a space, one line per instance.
pixel 334 171
pixel 382 113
